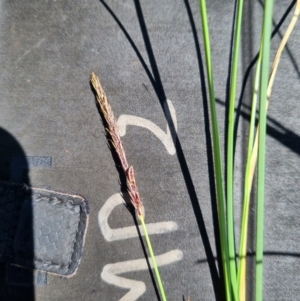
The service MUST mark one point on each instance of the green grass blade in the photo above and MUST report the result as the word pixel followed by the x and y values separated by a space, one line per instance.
pixel 157 275
pixel 247 188
pixel 230 148
pixel 267 26
pixel 251 157
pixel 216 152
pixel 251 166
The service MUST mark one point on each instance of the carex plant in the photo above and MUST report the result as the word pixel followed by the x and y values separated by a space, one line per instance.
pixel 234 267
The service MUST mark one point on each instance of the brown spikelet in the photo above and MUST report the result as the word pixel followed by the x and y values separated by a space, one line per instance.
pixel 115 138
pixel 133 191
pixel 110 120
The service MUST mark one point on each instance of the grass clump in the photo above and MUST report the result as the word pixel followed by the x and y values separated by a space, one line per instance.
pixel 234 274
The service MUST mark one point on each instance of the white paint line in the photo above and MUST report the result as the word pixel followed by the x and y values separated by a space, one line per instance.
pixel 137 288
pixel 131 231
pixel 164 137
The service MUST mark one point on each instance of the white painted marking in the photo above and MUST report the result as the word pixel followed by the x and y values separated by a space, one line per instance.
pixel 164 137
pixel 137 288
pixel 131 231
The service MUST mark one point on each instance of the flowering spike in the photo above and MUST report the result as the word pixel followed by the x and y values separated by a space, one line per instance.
pixel 115 139
pixel 133 191
pixel 108 114
pixel 112 129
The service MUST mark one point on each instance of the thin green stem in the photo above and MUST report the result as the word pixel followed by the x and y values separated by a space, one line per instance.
pixel 267 26
pixel 251 157
pixel 216 152
pixel 247 188
pixel 157 275
pixel 230 148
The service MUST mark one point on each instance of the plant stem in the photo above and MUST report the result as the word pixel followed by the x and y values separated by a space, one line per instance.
pixel 157 275
pixel 250 166
pixel 252 151
pixel 216 153
pixel 230 149
pixel 267 25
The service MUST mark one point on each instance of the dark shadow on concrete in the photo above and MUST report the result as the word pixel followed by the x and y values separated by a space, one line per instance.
pixel 276 130
pixel 183 298
pixel 15 283
pixel 266 254
pixel 132 44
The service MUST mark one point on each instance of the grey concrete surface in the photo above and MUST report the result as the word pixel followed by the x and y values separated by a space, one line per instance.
pixel 144 53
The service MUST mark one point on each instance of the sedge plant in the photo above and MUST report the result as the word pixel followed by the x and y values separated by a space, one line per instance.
pixel 234 274
pixel 253 149
pixel 132 189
